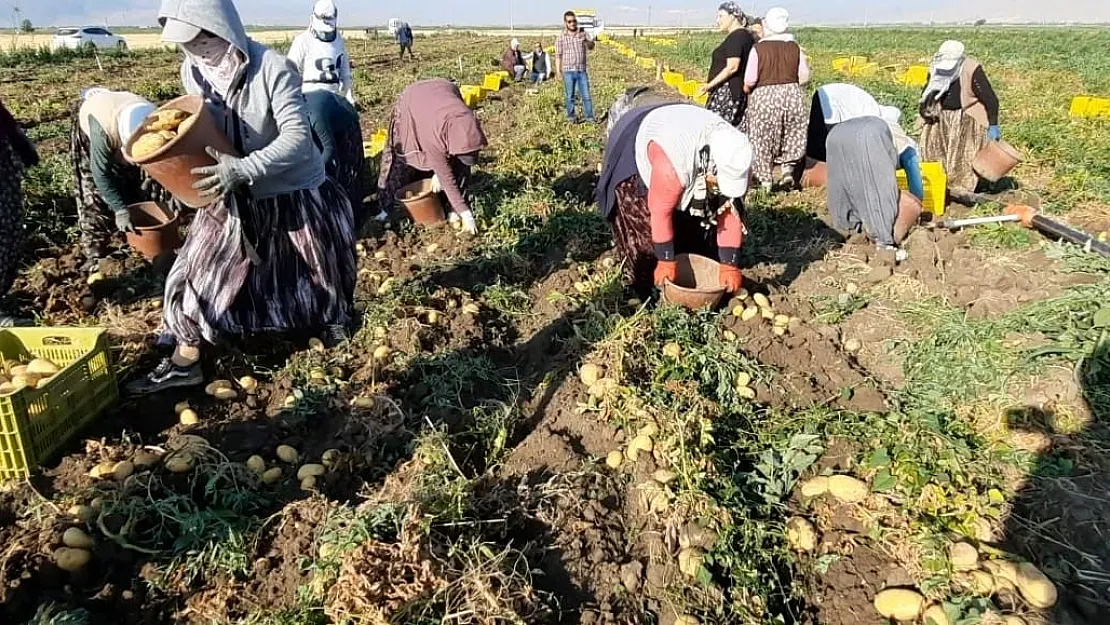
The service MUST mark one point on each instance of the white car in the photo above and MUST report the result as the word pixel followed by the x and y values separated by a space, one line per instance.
pixel 96 37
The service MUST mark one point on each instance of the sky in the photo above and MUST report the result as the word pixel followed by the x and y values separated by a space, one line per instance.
pixel 502 12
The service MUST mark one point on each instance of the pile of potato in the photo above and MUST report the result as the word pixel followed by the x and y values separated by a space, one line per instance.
pixel 307 474
pixel 19 375
pixel 160 128
pixel 760 308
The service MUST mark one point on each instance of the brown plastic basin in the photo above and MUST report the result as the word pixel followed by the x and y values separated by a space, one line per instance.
pixel 172 164
pixel 421 203
pixel 157 229
pixel 697 284
pixel 815 175
pixel 995 160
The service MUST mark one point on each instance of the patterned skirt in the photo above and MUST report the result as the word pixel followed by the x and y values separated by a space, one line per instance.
pixel 11 213
pixel 728 106
pixel 278 264
pixel 631 224
pixel 954 141
pixel 349 170
pixel 777 122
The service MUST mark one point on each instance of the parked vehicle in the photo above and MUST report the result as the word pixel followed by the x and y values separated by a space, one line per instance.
pixel 96 37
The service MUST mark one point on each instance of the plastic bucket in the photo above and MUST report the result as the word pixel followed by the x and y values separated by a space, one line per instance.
pixel 995 160
pixel 697 283
pixel 815 175
pixel 421 203
pixel 157 229
pixel 172 164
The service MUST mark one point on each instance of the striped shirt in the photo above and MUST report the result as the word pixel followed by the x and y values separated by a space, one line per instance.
pixel 570 48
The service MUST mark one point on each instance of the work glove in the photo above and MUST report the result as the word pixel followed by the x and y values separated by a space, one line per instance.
pixel 994 133
pixel 123 221
pixel 469 224
pixel 666 270
pixel 436 187
pixel 223 178
pixel 730 278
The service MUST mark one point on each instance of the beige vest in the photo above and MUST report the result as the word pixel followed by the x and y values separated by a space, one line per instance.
pixel 971 104
pixel 106 107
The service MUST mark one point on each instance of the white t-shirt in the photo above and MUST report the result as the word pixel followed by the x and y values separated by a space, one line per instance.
pixel 841 102
pixel 323 64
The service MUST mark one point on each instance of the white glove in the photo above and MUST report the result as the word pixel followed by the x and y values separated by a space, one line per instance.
pixel 469 225
pixel 351 97
pixel 436 187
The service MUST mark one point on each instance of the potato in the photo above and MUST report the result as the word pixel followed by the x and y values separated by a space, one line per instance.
pixel 614 459
pixel 672 351
pixel 248 383
pixel 316 345
pixel 981 583
pixel 364 402
pixel 801 534
pixel 590 374
pixel 751 312
pixel 308 483
pixel 742 294
pixel 189 416
pixel 287 454
pixel 71 560
pixel 782 320
pixel 25 380
pixel 94 277
pixel 84 514
pixel 181 462
pixel 381 352
pixel 212 387
pixel 1035 587
pixel 643 443
pixel 815 487
pixel 935 615
pixel 746 392
pixel 743 379
pixel 77 538
pixel 852 346
pixel 471 308
pixel 226 394
pixel 123 470
pixel 767 313
pixel 848 489
pixel 147 144
pixel 690 561
pixel 761 300
pixel 900 604
pixel 316 374
pixel 330 457
pixel 7 388
pixel 180 407
pixel 186 124
pixel 686 619
pixel 1002 569
pixel 650 430
pixel 778 331
pixel 311 470
pixel 256 465
pixel 964 557
pixel 433 317
pixel 145 459
pixel 43 367
pixel 271 475
pixel 102 471
pixel 1012 620
pixel 738 310
pixel 729 336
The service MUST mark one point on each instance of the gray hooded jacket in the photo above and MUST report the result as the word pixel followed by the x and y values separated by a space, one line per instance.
pixel 263 113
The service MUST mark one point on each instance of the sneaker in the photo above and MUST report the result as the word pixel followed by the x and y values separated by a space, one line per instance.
pixel 7 321
pixel 166 376
pixel 334 336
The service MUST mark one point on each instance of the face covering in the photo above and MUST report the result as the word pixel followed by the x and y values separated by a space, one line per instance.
pixel 217 60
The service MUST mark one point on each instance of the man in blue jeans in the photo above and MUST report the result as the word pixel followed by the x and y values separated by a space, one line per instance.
pixel 571 48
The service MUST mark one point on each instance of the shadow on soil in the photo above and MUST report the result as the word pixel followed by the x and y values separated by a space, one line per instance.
pixel 1061 518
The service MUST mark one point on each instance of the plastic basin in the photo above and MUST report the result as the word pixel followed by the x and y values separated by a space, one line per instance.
pixel 697 283
pixel 421 203
pixel 157 229
pixel 995 160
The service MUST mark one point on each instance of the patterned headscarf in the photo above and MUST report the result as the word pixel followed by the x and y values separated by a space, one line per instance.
pixel 732 9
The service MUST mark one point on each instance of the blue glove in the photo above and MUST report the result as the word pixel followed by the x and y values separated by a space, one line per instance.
pixel 910 162
pixel 994 133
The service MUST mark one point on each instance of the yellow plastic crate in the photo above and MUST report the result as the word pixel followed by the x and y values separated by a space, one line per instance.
pixel 915 76
pixel 673 79
pixel 702 99
pixel 503 74
pixel 842 64
pixel 859 60
pixel 689 88
pixel 1079 106
pixel 492 82
pixel 472 94
pixel 35 423
pixel 866 69
pixel 935 180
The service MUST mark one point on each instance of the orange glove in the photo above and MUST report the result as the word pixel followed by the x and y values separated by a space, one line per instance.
pixel 730 278
pixel 666 270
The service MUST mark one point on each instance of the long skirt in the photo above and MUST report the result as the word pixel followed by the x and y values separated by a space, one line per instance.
pixel 283 263
pixel 11 213
pixel 863 188
pixel 728 106
pixel 954 141
pixel 817 132
pixel 631 224
pixel 776 122
pixel 95 219
pixel 349 169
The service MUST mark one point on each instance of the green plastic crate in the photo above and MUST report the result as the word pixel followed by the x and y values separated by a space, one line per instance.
pixel 35 423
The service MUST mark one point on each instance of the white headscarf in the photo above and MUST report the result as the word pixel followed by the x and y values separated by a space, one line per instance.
pixel 775 25
pixel 947 65
pixel 514 44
